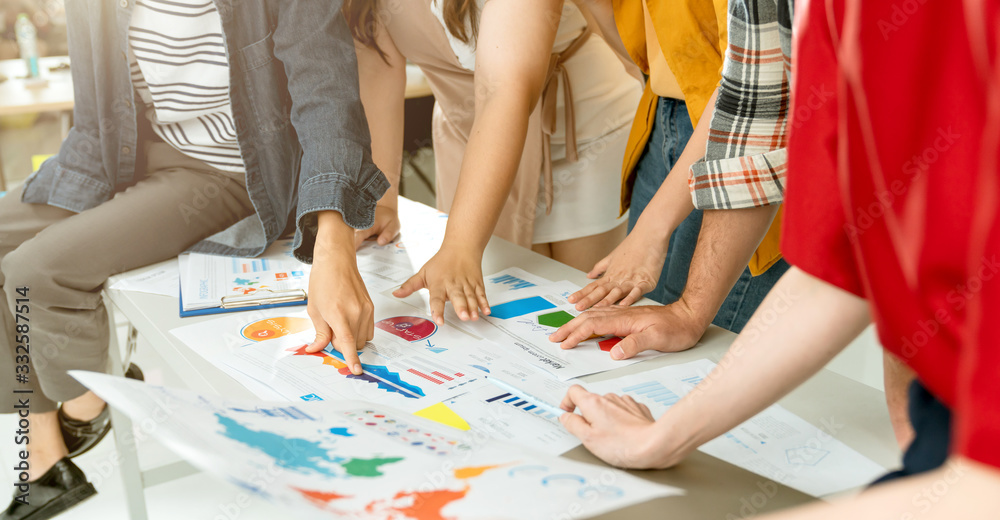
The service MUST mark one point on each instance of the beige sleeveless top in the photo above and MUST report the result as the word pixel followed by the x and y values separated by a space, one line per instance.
pixel 421 37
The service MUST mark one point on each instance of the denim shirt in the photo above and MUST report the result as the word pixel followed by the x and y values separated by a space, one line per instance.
pixel 296 105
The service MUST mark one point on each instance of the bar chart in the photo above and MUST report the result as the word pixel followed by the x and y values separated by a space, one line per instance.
pixel 517 402
pixel 655 391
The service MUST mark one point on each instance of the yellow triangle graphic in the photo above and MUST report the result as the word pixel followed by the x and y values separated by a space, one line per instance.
pixel 440 413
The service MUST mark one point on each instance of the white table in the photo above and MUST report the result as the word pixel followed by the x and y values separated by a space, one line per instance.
pixel 714 488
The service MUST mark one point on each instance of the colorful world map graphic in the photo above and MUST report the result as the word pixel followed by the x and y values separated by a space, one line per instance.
pixel 302 455
pixel 308 457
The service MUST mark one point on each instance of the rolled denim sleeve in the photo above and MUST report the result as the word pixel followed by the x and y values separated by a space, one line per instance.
pixel 75 178
pixel 312 40
pixel 745 159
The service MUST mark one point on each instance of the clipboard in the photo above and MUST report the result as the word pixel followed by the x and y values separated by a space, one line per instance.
pixel 211 284
pixel 254 302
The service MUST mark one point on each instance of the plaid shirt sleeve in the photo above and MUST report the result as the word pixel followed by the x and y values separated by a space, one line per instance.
pixel 745 159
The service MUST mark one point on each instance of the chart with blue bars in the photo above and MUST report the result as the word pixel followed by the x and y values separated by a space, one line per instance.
pixel 518 402
pixel 285 412
pixel 693 380
pixel 655 391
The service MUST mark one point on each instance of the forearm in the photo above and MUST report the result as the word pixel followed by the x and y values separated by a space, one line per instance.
pixel 601 19
pixel 970 494
pixel 334 239
pixel 510 75
pixel 897 378
pixel 383 95
pixel 726 243
pixel 802 323
pixel 672 202
pixel 489 167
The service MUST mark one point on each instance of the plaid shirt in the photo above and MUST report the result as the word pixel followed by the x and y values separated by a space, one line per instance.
pixel 745 160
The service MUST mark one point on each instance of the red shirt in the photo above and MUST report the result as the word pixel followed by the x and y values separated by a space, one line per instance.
pixel 892 187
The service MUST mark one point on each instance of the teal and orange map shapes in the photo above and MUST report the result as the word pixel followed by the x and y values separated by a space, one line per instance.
pixel 427 505
pixel 367 467
pixel 291 453
pixel 303 455
pixel 417 505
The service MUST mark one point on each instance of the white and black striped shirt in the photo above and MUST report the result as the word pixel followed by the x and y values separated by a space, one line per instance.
pixel 180 70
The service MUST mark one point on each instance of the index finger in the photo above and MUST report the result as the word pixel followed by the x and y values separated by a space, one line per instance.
pixel 574 395
pixel 437 301
pixel 591 293
pixel 345 343
pixel 571 334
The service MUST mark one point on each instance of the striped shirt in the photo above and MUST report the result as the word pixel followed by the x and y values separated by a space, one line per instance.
pixel 180 69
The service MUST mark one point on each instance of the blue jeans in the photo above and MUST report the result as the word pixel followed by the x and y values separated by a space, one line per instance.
pixel 672 129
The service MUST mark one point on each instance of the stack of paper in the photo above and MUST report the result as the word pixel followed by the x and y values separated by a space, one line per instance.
pixel 775 443
pixel 361 460
pixel 212 284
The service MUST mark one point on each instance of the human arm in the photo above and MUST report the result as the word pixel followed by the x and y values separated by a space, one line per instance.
pixel 600 17
pixel 896 381
pixel 745 159
pixel 969 493
pixel 727 240
pixel 634 267
pixel 338 182
pixel 510 74
pixel 802 324
pixel 383 94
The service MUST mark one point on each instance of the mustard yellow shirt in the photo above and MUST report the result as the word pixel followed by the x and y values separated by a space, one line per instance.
pixel 662 81
pixel 692 37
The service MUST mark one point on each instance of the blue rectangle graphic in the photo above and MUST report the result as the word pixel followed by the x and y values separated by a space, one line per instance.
pixel 513 309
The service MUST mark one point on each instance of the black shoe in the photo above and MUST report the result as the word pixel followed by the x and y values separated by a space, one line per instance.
pixel 60 488
pixel 81 436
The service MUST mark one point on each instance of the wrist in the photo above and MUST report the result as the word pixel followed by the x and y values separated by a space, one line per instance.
pixel 656 229
pixel 696 311
pixel 390 199
pixel 669 444
pixel 458 248
pixel 334 237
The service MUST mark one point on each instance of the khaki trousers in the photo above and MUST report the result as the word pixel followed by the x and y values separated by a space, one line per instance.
pixel 61 259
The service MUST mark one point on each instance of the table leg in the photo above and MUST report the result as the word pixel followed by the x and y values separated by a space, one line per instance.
pixel 128 455
pixel 3 178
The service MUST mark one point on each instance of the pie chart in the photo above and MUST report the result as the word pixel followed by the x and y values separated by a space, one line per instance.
pixel 271 328
pixel 410 328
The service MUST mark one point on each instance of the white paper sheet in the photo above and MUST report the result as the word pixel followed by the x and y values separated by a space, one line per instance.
pixel 523 319
pixel 505 416
pixel 161 280
pixel 504 413
pixel 206 279
pixel 406 365
pixel 775 443
pixel 361 460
